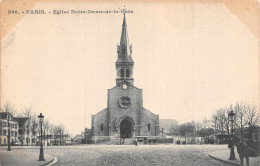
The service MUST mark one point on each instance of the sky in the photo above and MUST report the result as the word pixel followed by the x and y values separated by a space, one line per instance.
pixel 190 59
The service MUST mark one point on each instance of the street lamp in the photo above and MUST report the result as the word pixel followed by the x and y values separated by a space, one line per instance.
pixel 231 115
pixel 41 157
pixel 8 137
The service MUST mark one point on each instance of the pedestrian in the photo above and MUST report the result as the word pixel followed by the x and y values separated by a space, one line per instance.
pixel 136 141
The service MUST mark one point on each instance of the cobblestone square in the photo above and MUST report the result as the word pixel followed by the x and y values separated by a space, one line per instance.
pixel 117 155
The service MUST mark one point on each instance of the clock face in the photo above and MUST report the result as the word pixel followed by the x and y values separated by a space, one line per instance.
pixel 124 86
pixel 124 102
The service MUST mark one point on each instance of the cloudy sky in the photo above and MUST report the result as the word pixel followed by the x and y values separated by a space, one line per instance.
pixel 190 59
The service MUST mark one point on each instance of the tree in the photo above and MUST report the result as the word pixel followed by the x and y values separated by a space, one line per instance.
pixel 206 130
pixel 9 109
pixel 253 116
pixel 205 126
pixel 46 127
pixel 28 115
pixel 221 122
pixel 197 127
pixel 244 113
pixel 241 120
pixel 174 129
pixel 51 130
pixel 185 129
pixel 61 133
pixel 34 127
pixel 55 133
pixel 226 120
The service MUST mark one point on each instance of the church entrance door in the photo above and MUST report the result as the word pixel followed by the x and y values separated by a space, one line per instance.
pixel 125 129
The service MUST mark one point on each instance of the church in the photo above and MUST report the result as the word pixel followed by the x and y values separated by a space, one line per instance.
pixel 125 117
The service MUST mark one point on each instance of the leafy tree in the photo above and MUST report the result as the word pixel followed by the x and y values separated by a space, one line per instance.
pixel 185 129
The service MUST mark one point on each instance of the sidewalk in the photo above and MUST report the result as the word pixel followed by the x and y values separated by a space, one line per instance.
pixel 22 157
pixel 223 156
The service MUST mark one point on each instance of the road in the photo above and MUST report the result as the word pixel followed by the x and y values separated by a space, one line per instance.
pixel 130 155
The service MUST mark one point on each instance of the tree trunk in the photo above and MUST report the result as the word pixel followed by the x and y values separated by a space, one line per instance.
pixel 222 134
pixel 241 127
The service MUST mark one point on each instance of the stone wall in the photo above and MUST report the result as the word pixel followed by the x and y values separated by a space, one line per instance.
pixel 99 119
pixel 149 118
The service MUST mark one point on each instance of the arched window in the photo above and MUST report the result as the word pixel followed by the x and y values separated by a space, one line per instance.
pixel 122 73
pixel 127 73
pixel 149 127
pixel 102 127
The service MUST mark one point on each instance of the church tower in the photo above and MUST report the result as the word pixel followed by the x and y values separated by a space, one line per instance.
pixel 124 63
pixel 125 117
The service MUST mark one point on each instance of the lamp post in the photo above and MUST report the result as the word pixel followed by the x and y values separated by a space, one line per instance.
pixel 41 157
pixel 231 115
pixel 8 137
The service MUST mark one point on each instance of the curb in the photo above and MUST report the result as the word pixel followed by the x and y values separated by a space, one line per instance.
pixel 51 162
pixel 224 161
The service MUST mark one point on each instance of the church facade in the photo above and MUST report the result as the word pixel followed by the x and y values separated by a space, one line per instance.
pixel 125 116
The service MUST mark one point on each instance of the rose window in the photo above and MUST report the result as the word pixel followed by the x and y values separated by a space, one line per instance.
pixel 124 102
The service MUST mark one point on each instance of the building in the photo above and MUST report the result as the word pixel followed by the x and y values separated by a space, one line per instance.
pixel 4 129
pixel 252 133
pixel 167 126
pixel 79 138
pixel 256 135
pixel 21 129
pixel 125 117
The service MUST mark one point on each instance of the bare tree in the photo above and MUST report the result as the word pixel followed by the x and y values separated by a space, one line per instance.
pixel 253 116
pixel 51 130
pixel 55 133
pixel 226 120
pixel 197 127
pixel 214 119
pixel 174 129
pixel 61 133
pixel 241 121
pixel 34 127
pixel 205 126
pixel 46 129
pixel 28 115
pixel 221 122
pixel 9 109
pixel 244 113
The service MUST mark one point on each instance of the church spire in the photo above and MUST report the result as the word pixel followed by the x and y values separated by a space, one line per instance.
pixel 124 63
pixel 124 50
